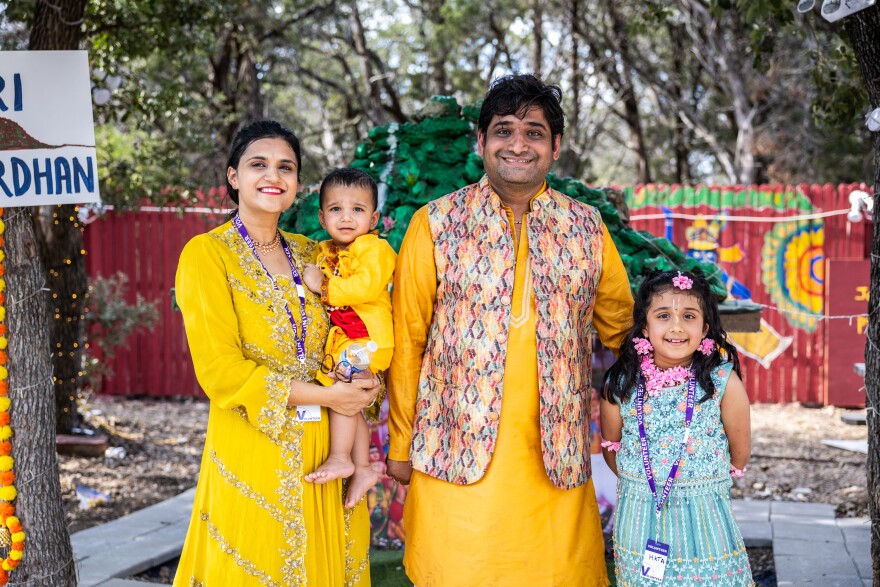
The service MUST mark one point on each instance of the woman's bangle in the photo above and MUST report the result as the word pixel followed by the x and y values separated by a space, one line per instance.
pixel 734 472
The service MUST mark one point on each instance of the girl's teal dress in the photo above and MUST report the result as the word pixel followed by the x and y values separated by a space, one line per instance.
pixel 705 544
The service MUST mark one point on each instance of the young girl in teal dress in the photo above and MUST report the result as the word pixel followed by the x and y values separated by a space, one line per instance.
pixel 675 423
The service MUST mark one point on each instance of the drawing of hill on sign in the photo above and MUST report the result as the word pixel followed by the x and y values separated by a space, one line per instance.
pixel 15 138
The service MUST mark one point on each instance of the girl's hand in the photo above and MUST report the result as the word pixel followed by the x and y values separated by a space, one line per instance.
pixel 312 277
pixel 350 398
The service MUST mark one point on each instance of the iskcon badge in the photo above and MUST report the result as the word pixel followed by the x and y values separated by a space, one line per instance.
pixel 308 413
pixel 654 561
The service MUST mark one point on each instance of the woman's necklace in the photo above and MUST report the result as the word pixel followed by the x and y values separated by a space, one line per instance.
pixel 657 379
pixel 270 246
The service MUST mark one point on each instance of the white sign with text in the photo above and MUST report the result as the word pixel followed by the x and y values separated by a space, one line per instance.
pixel 47 134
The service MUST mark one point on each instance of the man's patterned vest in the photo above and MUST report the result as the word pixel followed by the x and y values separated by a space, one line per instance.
pixel 462 374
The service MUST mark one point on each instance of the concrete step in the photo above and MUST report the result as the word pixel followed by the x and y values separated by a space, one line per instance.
pixel 134 543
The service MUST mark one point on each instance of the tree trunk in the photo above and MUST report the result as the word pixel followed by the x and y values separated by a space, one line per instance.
pixel 48 556
pixel 864 29
pixel 627 92
pixel 57 26
pixel 571 159
pixel 437 58
pixel 679 138
pixel 538 37
pixel 375 112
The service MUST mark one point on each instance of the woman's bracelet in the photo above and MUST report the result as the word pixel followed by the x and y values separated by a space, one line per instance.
pixel 734 472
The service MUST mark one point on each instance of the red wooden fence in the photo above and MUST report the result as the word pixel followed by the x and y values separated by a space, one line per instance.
pixel 146 246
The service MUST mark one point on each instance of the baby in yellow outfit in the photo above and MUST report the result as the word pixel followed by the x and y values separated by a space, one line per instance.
pixel 353 273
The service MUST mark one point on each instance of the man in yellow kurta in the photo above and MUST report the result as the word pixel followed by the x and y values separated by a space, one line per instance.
pixel 498 290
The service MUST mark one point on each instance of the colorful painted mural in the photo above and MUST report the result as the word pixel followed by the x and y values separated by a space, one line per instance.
pixel 794 271
pixel 702 243
pixel 770 245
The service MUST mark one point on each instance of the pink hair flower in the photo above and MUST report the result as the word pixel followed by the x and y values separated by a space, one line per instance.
pixel 682 281
pixel 387 223
pixel 707 346
pixel 643 345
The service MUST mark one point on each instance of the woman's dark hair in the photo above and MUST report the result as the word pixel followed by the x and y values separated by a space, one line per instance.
pixel 349 177
pixel 262 129
pixel 517 94
pixel 622 377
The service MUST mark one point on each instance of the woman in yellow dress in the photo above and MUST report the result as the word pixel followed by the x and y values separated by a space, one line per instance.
pixel 257 337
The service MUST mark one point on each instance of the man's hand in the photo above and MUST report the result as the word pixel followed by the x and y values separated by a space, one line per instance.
pixel 312 277
pixel 400 471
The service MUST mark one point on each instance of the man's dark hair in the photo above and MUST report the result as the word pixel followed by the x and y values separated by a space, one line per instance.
pixel 518 93
pixel 349 177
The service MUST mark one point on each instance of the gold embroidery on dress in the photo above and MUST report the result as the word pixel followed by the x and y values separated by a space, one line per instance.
pixel 273 414
pixel 352 573
pixel 246 489
pixel 245 565
pixel 290 495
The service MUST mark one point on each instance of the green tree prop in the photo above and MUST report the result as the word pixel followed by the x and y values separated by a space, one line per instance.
pixel 416 162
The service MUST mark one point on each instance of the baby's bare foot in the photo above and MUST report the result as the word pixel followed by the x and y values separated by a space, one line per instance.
pixel 333 468
pixel 361 481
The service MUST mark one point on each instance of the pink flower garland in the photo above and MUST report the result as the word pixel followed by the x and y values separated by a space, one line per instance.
pixel 657 379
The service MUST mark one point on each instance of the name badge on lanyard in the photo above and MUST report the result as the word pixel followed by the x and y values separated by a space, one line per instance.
pixel 657 553
pixel 654 561
pixel 308 413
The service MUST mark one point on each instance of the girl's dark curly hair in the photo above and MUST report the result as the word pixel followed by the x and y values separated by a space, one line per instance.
pixel 621 378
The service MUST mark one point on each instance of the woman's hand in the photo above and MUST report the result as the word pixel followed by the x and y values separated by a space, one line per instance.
pixel 312 277
pixel 350 398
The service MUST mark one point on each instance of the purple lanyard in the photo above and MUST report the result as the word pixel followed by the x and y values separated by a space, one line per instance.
pixel 643 438
pixel 300 290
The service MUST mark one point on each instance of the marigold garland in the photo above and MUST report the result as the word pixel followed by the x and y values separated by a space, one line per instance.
pixel 11 532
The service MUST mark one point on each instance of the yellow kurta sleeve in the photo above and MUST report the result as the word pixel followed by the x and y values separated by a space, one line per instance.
pixel 412 305
pixel 227 377
pixel 612 314
pixel 370 276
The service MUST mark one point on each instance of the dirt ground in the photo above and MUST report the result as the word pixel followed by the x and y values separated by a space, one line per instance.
pixel 161 444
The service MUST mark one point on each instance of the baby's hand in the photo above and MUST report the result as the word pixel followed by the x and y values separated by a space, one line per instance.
pixel 312 277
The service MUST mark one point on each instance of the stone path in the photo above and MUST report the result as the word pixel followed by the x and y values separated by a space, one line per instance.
pixel 810 546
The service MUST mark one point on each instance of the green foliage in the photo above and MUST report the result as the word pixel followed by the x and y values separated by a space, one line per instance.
pixel 841 96
pixel 110 320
